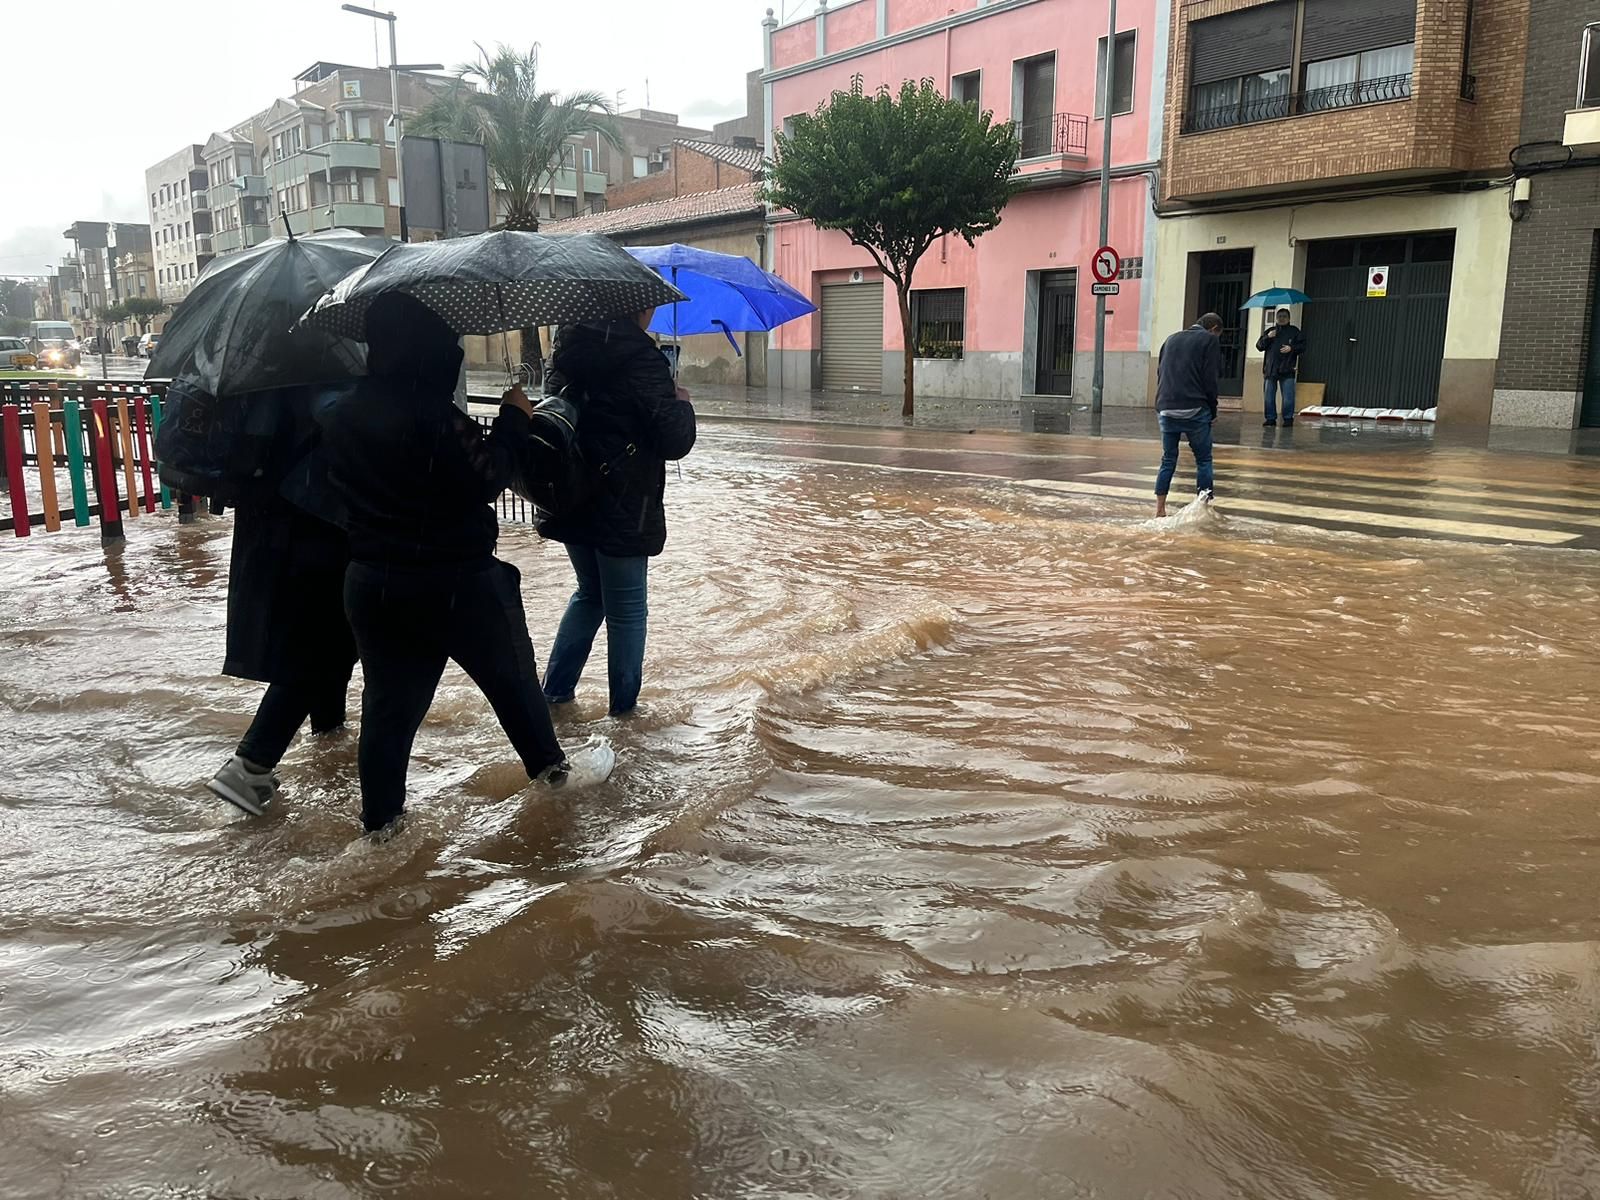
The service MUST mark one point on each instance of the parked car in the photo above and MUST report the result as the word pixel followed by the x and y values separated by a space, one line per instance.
pixel 148 344
pixel 15 354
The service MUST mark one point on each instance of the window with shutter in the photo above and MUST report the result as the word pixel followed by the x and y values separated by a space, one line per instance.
pixel 1122 81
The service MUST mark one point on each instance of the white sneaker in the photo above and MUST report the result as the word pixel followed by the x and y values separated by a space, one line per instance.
pixel 586 766
pixel 245 786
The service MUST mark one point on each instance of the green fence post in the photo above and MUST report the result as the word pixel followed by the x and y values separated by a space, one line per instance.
pixel 72 429
pixel 155 428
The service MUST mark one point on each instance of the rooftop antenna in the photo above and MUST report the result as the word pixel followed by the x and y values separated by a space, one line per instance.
pixel 647 91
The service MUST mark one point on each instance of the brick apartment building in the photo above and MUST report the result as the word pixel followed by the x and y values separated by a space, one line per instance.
pixel 1309 142
pixel 323 157
pixel 1549 371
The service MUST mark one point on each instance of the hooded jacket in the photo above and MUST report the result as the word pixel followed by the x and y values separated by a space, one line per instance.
pixel 626 398
pixel 416 474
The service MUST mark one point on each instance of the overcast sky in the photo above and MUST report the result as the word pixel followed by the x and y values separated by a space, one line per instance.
pixel 90 103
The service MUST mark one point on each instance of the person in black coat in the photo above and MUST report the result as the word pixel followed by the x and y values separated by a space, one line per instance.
pixel 634 420
pixel 1187 373
pixel 1281 345
pixel 418 478
pixel 286 623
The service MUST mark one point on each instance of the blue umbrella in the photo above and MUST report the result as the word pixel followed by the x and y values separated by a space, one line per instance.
pixel 726 292
pixel 1276 297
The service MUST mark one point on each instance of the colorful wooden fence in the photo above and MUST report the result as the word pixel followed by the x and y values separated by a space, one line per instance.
pixel 99 435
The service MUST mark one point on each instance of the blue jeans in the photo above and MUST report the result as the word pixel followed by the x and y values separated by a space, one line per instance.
pixel 612 590
pixel 1173 431
pixel 1286 386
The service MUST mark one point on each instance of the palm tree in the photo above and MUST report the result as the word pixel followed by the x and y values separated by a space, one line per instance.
pixel 525 130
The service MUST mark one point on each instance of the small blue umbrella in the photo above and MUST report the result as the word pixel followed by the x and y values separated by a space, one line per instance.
pixel 727 293
pixel 1276 297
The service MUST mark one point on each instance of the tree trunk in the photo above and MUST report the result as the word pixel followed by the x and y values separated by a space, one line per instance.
pixel 525 218
pixel 903 294
pixel 531 353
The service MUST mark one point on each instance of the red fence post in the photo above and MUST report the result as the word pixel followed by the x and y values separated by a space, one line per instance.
pixel 11 418
pixel 104 473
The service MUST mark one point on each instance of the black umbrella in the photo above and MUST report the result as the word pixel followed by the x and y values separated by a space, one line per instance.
pixel 235 332
pixel 496 282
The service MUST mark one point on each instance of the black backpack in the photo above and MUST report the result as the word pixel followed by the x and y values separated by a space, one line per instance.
pixel 556 476
pixel 221 447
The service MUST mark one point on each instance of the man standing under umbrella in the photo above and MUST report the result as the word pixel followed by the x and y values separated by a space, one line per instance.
pixel 424 587
pixel 1282 344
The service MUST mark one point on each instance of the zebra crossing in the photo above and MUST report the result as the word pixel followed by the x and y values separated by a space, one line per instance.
pixel 1421 491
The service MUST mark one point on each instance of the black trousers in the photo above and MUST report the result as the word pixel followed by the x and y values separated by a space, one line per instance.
pixel 285 707
pixel 408 623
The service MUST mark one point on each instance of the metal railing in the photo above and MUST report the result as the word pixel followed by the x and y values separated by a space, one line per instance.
pixel 1289 104
pixel 1064 134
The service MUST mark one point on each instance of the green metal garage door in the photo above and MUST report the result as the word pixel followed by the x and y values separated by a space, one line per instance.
pixel 1378 352
pixel 852 337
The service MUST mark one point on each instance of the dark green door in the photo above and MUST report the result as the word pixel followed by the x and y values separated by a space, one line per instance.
pixel 1058 307
pixel 1380 352
pixel 1591 377
pixel 1224 286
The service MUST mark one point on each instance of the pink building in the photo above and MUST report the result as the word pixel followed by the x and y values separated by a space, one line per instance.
pixel 1013 316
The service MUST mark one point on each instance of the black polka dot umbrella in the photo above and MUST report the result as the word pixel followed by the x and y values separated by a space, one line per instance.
pixel 496 282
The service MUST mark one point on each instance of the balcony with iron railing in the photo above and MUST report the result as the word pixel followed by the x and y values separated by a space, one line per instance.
pixel 1060 135
pixel 1254 110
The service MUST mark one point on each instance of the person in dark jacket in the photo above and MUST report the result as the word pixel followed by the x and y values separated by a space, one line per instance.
pixel 286 622
pixel 1282 344
pixel 1187 372
pixel 634 420
pixel 417 477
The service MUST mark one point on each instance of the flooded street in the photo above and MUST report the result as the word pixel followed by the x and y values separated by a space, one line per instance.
pixel 972 841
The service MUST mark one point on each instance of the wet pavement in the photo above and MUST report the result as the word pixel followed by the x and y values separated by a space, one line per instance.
pixel 978 837
pixel 1063 415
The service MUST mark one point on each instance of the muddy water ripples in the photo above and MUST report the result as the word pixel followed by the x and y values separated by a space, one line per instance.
pixel 971 842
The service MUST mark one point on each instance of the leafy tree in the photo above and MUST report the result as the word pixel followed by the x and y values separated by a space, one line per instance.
pixel 16 306
pixel 894 172
pixel 115 314
pixel 144 309
pixel 525 129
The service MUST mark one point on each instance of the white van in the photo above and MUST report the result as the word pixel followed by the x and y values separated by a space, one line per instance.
pixel 55 344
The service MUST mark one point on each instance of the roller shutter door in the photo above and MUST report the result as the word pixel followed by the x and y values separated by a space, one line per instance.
pixel 852 337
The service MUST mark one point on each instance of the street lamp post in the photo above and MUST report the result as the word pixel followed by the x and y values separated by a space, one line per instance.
pixel 394 105
pixel 1098 398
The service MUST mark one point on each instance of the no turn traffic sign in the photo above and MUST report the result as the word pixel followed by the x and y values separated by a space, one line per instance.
pixel 1107 264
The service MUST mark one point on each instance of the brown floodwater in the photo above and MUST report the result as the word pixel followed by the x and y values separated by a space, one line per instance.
pixel 971 842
